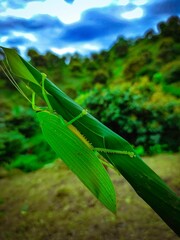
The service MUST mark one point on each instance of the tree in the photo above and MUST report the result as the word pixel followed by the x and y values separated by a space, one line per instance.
pixel 121 47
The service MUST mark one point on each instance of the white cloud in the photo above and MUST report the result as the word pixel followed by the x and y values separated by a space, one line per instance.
pixel 46 33
pixel 22 49
pixel 67 13
pixel 91 47
pixel 136 13
pixel 61 51
pixel 126 2
pixel 121 2
pixel 140 2
pixel 29 36
pixel 82 49
pixel 3 39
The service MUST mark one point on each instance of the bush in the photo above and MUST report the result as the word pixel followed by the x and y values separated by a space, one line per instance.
pixel 11 144
pixel 158 78
pixel 92 65
pixel 146 71
pixel 173 75
pixel 138 64
pixel 76 68
pixel 121 47
pixel 167 50
pixel 21 136
pixel 172 89
pixel 27 163
pixel 140 150
pixel 152 125
pixel 100 76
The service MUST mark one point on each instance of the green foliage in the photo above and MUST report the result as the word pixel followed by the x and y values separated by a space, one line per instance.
pixel 139 66
pixel 158 78
pixel 151 125
pixel 91 65
pixel 157 149
pixel 20 136
pixel 147 71
pixel 140 150
pixel 100 76
pixel 27 163
pixel 11 145
pixel 170 28
pixel 172 74
pixel 167 50
pixel 76 68
pixel 172 89
pixel 121 47
pixel 149 34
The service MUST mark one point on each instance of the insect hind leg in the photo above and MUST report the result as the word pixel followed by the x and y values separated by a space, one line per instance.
pixel 83 113
pixel 130 153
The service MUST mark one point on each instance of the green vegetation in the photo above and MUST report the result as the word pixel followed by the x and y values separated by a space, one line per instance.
pixel 22 144
pixel 141 119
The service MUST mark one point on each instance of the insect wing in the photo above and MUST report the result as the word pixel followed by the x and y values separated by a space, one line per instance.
pixel 79 158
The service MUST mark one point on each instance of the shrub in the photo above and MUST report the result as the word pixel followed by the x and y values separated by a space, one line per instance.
pixel 21 136
pixel 172 89
pixel 167 50
pixel 92 65
pixel 143 123
pixel 76 68
pixel 173 75
pixel 121 47
pixel 146 71
pixel 26 163
pixel 11 144
pixel 138 64
pixel 100 76
pixel 158 77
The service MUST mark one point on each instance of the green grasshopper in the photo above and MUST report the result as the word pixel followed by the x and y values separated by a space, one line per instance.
pixel 74 149
pixel 76 152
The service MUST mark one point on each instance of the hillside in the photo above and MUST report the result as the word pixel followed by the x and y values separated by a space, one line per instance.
pixel 155 56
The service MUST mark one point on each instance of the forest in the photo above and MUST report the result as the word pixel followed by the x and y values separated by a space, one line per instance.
pixel 133 88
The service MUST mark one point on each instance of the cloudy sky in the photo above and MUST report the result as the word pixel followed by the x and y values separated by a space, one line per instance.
pixel 78 25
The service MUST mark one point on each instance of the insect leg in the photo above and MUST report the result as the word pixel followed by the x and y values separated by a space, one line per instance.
pixel 34 107
pixel 131 154
pixel 84 112
pixel 44 92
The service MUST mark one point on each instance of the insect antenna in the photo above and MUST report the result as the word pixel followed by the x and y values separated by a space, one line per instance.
pixel 9 76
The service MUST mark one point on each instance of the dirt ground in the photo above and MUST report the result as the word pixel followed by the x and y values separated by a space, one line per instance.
pixel 52 204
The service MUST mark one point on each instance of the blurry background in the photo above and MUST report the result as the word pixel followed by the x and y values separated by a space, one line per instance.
pixel 121 61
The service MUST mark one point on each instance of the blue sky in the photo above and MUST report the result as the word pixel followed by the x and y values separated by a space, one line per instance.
pixel 68 26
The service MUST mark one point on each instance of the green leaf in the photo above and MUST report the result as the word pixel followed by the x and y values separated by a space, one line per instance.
pixel 17 66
